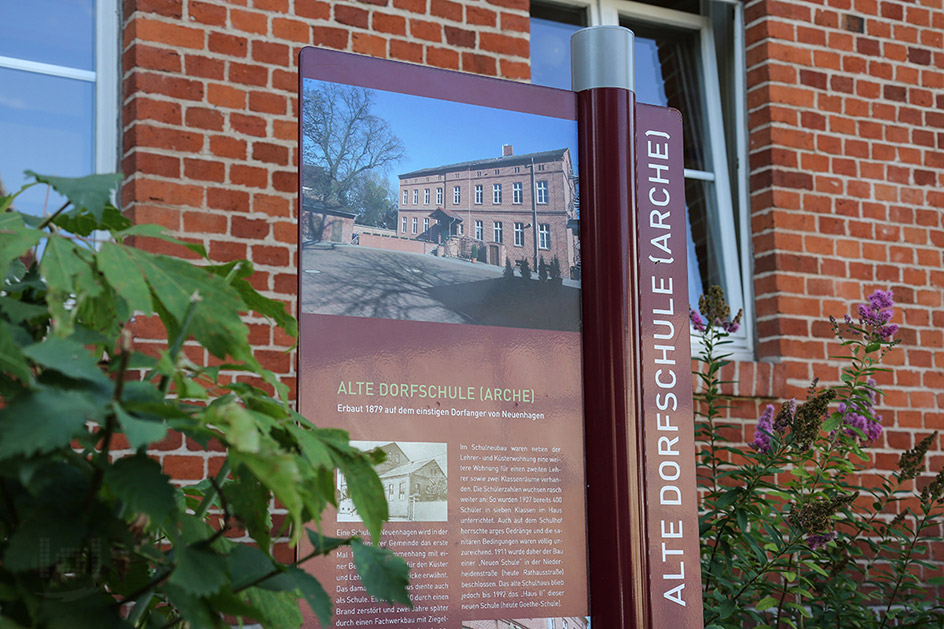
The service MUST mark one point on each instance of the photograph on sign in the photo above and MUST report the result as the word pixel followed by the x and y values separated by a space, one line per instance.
pixel 442 207
pixel 439 311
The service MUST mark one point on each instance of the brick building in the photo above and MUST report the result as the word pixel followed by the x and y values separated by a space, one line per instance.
pixel 513 207
pixel 815 159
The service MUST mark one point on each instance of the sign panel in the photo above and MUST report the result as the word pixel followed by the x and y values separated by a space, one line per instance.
pixel 440 321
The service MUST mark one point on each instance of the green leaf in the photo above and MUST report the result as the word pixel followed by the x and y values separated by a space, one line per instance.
pixel 323 544
pixel 280 608
pixel 727 608
pixel 144 488
pixel 43 538
pixel 17 239
pixel 313 593
pixel 765 603
pixel 249 500
pixel 11 358
pixel 68 358
pixel 46 418
pixel 194 609
pixel 384 575
pixel 90 193
pixel 65 270
pixel 280 474
pixel 159 231
pixel 199 572
pixel 271 308
pixel 140 432
pixel 367 491
pixel 247 564
pixel 117 267
pixel 789 576
pixel 82 224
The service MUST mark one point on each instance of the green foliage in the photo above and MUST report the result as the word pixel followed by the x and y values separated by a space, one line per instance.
pixel 790 536
pixel 509 272
pixel 542 270
pixel 524 268
pixel 93 536
pixel 555 271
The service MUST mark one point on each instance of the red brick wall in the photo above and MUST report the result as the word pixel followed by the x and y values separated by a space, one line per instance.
pixel 846 131
pixel 847 165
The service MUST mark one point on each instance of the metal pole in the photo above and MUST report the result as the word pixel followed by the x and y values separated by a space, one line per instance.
pixel 534 217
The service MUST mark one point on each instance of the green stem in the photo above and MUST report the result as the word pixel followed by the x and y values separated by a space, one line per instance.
pixel 783 595
pixel 49 219
pixel 762 571
pixel 904 565
pixel 208 498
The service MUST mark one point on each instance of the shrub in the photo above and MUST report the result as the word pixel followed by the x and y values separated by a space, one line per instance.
pixel 524 268
pixel 542 270
pixel 789 537
pixel 93 533
pixel 509 271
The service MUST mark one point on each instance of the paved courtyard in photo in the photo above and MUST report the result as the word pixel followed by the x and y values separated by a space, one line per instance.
pixel 364 282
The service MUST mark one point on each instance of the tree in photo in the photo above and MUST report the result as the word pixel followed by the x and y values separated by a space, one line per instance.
pixel 344 139
pixel 373 201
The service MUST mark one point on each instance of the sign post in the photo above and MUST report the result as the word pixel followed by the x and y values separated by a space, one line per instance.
pixel 641 497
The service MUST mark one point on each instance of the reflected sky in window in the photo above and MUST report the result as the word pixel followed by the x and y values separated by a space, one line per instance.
pixel 60 32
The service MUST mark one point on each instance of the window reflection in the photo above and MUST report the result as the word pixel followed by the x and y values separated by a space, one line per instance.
pixel 59 32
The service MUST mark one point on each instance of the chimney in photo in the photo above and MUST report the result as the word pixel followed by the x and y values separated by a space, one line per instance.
pixel 507 150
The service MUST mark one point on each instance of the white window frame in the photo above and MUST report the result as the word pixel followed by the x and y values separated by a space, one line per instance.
pixel 540 192
pixel 416 196
pixel 517 189
pixel 403 225
pixel 609 12
pixel 479 194
pixel 496 194
pixel 425 225
pixel 497 231
pixel 415 225
pixel 544 236
pixel 439 196
pixel 406 197
pixel 479 230
pixel 519 234
pixel 425 196
pixel 456 195
pixel 104 77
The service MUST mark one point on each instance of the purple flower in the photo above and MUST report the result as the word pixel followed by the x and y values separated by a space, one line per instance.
pixel 878 312
pixel 820 540
pixel 697 322
pixel 866 421
pixel 765 427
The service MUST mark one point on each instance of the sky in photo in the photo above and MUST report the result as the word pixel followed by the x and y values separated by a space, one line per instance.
pixel 437 132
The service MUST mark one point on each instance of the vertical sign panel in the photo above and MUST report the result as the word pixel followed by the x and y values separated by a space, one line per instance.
pixel 665 371
pixel 440 322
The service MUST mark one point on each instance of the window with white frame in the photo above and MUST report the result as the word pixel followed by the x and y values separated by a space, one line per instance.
pixel 519 234
pixel 479 230
pixel 497 231
pixel 406 197
pixel 496 193
pixel 540 192
pixel 426 196
pixel 403 225
pixel 456 195
pixel 516 189
pixel 425 225
pixel 439 196
pixel 692 61
pixel 414 224
pixel 544 236
pixel 478 194
pixel 416 197
pixel 58 100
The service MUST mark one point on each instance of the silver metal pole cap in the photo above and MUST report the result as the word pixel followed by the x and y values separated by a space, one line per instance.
pixel 602 56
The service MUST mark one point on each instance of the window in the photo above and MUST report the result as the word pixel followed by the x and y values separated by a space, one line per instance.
pixel 459 230
pixel 693 61
pixel 540 192
pixel 403 225
pixel 59 78
pixel 439 196
pixel 519 234
pixel 479 230
pixel 516 193
pixel 402 490
pixel 390 490
pixel 456 195
pixel 497 231
pixel 425 225
pixel 426 196
pixel 496 193
pixel 414 224
pixel 406 197
pixel 416 197
pixel 478 194
pixel 544 236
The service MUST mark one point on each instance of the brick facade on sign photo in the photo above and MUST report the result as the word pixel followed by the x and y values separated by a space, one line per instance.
pixel 835 181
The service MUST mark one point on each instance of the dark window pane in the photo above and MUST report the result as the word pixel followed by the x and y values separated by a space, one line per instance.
pixel 49 122
pixel 669 73
pixel 60 32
